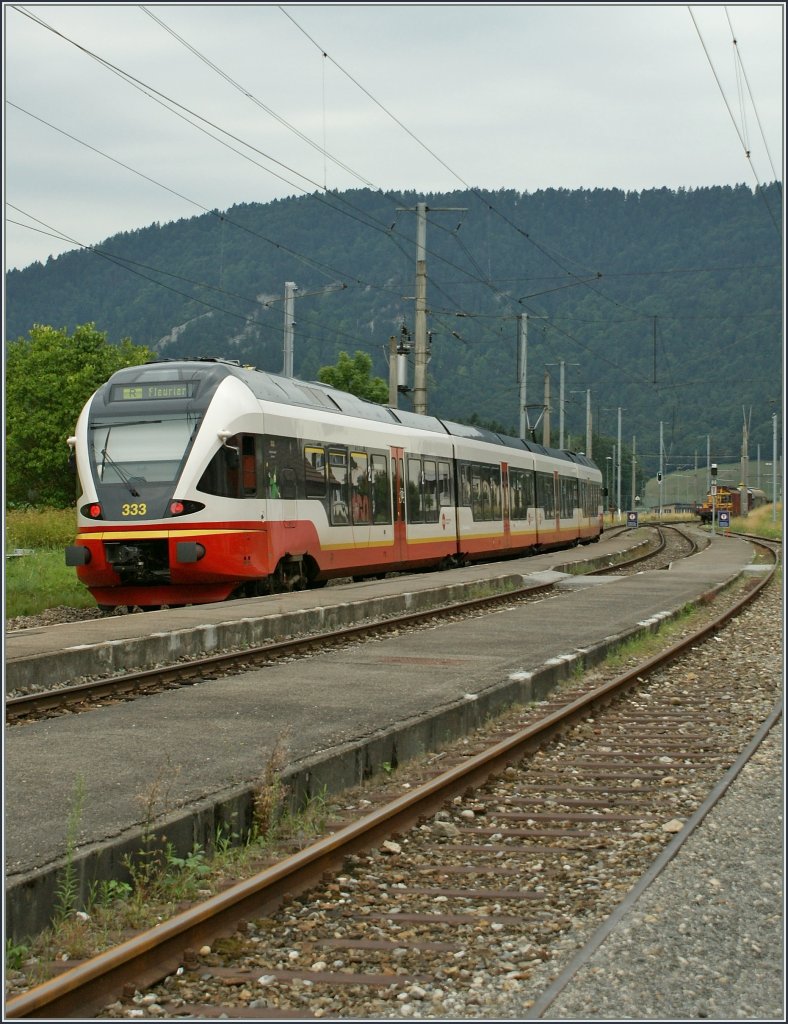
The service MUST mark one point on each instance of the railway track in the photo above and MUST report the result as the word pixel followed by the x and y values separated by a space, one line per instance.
pixel 670 544
pixel 478 881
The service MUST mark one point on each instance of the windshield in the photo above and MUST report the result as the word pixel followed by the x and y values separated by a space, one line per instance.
pixel 141 451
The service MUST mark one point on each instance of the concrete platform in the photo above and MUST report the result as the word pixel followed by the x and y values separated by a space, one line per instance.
pixel 114 644
pixel 339 717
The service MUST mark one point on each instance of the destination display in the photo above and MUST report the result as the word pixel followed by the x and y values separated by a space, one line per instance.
pixel 154 392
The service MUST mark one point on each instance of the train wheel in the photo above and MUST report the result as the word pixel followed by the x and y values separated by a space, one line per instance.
pixel 311 569
pixel 290 575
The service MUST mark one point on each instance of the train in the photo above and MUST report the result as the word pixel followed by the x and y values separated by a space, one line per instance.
pixel 728 499
pixel 201 479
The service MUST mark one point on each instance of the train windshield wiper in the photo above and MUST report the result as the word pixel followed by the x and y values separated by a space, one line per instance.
pixel 106 459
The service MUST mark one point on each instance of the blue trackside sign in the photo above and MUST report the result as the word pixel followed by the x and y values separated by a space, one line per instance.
pixel 632 519
pixel 724 520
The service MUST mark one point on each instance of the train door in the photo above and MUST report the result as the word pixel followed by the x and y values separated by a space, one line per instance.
pixel 278 478
pixel 398 502
pixel 360 497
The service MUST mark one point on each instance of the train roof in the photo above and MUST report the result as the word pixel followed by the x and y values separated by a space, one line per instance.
pixel 314 394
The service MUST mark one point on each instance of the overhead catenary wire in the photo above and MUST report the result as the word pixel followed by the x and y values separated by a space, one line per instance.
pixel 182 111
pixel 740 68
pixel 481 277
pixel 742 139
pixel 137 267
pixel 471 189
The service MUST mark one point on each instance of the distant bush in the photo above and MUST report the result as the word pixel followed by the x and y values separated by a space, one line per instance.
pixel 40 528
pixel 49 377
pixel 765 521
pixel 42 580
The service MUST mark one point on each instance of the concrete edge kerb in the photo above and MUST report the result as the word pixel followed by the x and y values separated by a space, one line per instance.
pixel 31 897
pixel 116 657
pixel 136 653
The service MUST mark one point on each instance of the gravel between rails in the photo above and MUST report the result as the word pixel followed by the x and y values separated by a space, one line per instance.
pixel 705 941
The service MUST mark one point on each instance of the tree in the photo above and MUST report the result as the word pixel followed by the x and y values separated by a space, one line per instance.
pixel 355 375
pixel 49 377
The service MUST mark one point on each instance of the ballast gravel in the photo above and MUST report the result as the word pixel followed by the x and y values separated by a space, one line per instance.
pixel 705 940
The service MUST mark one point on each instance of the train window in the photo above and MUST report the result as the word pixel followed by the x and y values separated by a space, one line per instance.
pixel 494 476
pixel 430 491
pixel 248 467
pixel 466 485
pixel 525 491
pixel 315 471
pixel 477 501
pixel 216 477
pixel 444 484
pixel 359 487
pixel 415 507
pixel 423 495
pixel 567 488
pixel 545 494
pixel 338 487
pixel 381 495
pixel 486 492
pixel 140 451
pixel 516 494
pixel 232 472
pixel 288 484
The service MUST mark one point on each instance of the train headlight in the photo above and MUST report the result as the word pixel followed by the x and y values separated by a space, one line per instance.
pixel 92 511
pixel 184 508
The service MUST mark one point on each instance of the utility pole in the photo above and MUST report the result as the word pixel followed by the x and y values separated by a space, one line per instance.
pixel 421 355
pixel 589 432
pixel 744 504
pixel 289 317
pixel 713 496
pixel 708 462
pixel 774 467
pixel 546 424
pixel 420 349
pixel 289 307
pixel 587 393
pixel 522 371
pixel 393 394
pixel 659 474
pixel 614 473
pixel 618 485
pixel 561 365
pixel 522 376
pixel 634 492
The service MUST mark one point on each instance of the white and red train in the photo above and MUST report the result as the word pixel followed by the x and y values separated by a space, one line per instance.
pixel 202 480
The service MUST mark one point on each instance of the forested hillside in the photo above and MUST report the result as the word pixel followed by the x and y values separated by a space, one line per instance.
pixel 666 304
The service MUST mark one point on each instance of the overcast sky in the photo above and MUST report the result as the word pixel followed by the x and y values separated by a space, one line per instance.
pixel 400 96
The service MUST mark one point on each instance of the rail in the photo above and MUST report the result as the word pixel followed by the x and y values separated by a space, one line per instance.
pixel 158 952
